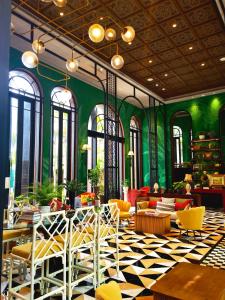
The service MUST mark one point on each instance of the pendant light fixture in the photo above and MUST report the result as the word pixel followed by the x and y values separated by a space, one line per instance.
pixel 38 46
pixel 110 34
pixel 30 59
pixel 96 33
pixel 60 3
pixel 72 64
pixel 128 34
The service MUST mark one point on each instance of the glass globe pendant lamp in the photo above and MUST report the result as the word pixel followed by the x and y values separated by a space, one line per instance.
pixel 30 59
pixel 128 34
pixel 60 3
pixel 72 65
pixel 96 33
pixel 117 62
pixel 110 34
pixel 38 46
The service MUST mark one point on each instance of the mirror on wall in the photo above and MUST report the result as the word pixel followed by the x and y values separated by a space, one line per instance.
pixel 181 136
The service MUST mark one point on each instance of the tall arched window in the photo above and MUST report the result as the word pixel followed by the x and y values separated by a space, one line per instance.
pixel 178 145
pixel 135 147
pixel 63 135
pixel 96 140
pixel 25 133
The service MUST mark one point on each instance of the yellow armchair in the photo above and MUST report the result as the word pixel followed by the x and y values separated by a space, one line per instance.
pixel 124 208
pixel 108 291
pixel 191 219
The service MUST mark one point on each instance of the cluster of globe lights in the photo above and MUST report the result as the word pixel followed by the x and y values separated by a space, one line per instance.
pixel 96 34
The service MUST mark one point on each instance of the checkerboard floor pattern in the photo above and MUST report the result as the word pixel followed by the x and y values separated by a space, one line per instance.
pixel 216 258
pixel 145 257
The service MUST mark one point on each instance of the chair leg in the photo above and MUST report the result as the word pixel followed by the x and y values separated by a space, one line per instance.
pixel 194 234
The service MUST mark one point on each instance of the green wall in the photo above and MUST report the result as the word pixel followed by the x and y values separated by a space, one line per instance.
pixel 204 112
pixel 87 97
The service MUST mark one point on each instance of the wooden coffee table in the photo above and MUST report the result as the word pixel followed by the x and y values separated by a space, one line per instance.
pixel 190 282
pixel 152 223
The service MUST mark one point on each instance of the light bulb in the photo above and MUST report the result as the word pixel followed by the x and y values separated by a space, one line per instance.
pixel 128 34
pixel 72 65
pixel 66 95
pixel 38 46
pixel 110 34
pixel 29 59
pixel 117 61
pixel 60 3
pixel 96 33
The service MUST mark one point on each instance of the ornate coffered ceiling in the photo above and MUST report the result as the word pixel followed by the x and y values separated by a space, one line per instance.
pixel 178 43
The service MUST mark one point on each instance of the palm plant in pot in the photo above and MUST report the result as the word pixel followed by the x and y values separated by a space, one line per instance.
pixel 73 188
pixel 43 194
pixel 94 177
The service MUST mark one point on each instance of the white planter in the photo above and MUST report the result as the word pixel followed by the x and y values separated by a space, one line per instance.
pixel 188 189
pixel 45 209
pixel 201 136
pixel 156 187
pixel 125 193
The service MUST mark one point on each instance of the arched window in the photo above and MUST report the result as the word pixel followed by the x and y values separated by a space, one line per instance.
pixel 25 131
pixel 96 140
pixel 178 145
pixel 63 135
pixel 135 157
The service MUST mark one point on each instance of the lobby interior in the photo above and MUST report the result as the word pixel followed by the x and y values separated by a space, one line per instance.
pixel 106 102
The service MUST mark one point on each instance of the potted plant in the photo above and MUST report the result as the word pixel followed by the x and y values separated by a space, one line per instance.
pixel 73 188
pixel 89 201
pixel 125 185
pixel 178 186
pixel 201 135
pixel 44 193
pixel 94 177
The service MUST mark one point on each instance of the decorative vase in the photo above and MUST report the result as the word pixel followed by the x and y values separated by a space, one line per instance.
pixel 125 193
pixel 188 189
pixel 156 187
pixel 45 209
pixel 201 136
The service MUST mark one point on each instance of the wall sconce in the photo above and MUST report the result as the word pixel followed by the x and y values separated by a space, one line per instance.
pixel 130 153
pixel 85 147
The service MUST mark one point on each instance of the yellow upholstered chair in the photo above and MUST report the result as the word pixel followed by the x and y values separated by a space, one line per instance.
pixel 108 291
pixel 124 208
pixel 191 219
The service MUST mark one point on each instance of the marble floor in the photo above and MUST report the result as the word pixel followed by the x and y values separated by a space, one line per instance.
pixel 145 257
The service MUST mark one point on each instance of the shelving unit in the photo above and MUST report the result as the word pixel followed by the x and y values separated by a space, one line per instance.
pixel 207 155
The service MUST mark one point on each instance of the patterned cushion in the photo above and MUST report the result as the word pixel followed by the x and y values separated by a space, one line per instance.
pixel 168 200
pixel 165 206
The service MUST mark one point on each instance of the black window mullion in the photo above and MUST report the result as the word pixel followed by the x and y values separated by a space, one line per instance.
pixel 69 149
pixel 32 143
pixel 19 150
pixel 60 147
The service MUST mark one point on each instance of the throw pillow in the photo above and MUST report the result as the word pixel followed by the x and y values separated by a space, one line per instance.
pixel 168 200
pixel 152 198
pixel 182 205
pixel 142 205
pixel 181 200
pixel 165 206
pixel 152 204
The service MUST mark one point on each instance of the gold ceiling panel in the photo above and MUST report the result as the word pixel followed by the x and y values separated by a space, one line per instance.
pixel 176 36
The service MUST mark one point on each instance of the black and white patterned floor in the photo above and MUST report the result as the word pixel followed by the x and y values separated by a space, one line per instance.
pixel 145 257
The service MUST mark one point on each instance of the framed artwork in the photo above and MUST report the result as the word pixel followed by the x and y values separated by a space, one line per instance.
pixel 217 180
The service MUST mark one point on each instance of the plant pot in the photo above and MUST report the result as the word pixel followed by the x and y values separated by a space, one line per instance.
pixel 45 209
pixel 201 136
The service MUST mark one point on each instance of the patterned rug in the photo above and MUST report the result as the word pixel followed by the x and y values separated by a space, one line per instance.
pixel 216 258
pixel 145 257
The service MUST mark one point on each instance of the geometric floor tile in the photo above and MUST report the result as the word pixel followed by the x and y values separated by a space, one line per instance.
pixel 145 257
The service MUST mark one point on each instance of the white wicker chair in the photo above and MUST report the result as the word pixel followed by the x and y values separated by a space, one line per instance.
pixel 44 247
pixel 108 226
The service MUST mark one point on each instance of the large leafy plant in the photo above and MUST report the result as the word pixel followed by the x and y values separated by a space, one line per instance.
pixel 74 186
pixel 94 176
pixel 45 192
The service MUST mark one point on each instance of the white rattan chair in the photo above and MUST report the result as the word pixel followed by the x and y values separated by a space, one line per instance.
pixel 44 247
pixel 108 226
